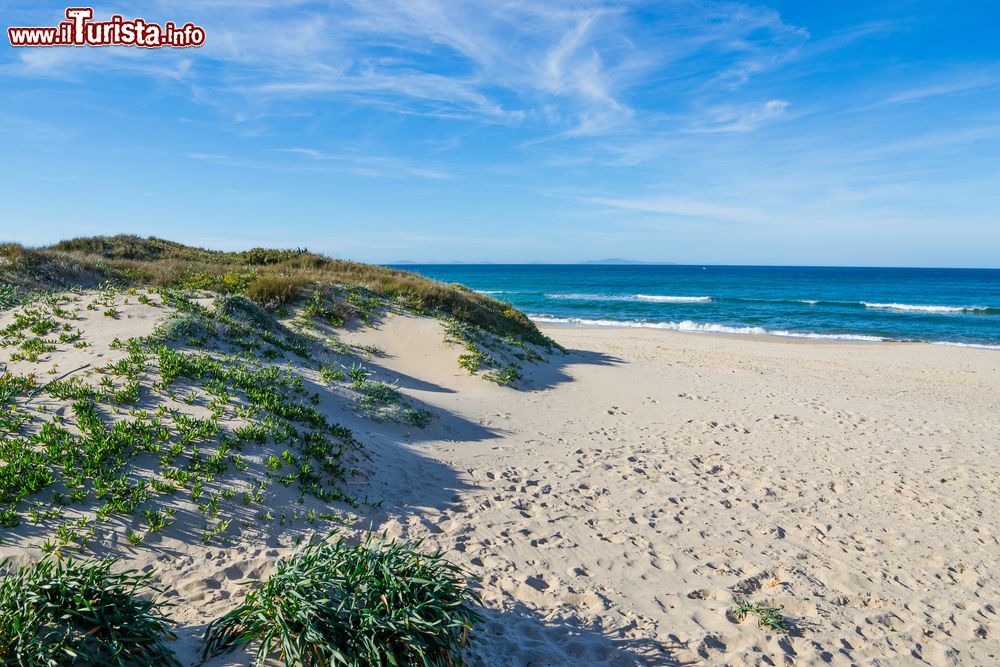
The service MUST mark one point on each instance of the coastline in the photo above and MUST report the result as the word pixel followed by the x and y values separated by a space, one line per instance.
pixel 846 339
pixel 862 304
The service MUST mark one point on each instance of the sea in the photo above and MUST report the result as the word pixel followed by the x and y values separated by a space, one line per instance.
pixel 942 306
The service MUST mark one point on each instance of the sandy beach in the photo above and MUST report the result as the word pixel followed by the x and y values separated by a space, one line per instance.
pixel 648 479
pixel 619 502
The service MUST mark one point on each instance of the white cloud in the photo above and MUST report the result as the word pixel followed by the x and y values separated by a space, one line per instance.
pixel 727 118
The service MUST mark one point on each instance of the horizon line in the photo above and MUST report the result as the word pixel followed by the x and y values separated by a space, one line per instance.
pixel 591 263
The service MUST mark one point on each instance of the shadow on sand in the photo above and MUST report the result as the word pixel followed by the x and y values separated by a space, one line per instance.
pixel 554 370
pixel 521 637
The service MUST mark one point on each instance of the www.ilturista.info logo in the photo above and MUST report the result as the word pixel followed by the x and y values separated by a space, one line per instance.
pixel 81 30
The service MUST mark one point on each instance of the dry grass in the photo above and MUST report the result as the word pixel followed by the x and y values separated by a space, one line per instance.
pixel 273 291
pixel 270 277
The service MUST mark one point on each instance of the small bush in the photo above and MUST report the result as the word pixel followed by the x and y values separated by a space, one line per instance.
pixel 183 327
pixel 72 612
pixel 378 603
pixel 246 311
pixel 274 291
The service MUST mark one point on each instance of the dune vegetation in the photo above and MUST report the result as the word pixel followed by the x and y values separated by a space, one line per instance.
pixel 268 277
pixel 152 389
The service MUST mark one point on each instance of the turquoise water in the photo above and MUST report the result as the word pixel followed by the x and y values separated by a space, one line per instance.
pixel 954 306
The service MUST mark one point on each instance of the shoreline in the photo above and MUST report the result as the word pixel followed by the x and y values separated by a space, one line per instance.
pixel 840 339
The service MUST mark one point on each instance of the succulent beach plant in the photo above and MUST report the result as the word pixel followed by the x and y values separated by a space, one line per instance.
pixel 376 603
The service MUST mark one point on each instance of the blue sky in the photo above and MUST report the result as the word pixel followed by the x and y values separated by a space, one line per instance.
pixel 847 133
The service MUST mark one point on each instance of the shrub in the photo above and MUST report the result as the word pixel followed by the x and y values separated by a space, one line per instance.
pixel 73 612
pixel 377 603
pixel 236 307
pixel 274 291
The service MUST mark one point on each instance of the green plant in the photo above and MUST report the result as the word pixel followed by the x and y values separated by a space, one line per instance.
pixel 504 376
pixel 72 612
pixel 274 290
pixel 331 375
pixel 767 617
pixel 377 603
pixel 8 296
pixel 158 519
pixel 358 374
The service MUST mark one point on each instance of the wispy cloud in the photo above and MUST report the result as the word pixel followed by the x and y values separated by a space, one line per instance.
pixel 955 83
pixel 308 160
pixel 371 165
pixel 682 208
pixel 726 118
pixel 570 70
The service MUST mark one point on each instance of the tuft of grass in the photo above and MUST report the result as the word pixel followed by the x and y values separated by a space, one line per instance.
pixel 274 291
pixel 769 618
pixel 72 612
pixel 376 603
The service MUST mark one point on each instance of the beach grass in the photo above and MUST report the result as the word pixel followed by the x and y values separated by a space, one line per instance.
pixel 375 603
pixel 70 612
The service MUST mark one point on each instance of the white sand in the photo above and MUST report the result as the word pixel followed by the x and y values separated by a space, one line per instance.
pixel 620 502
pixel 650 478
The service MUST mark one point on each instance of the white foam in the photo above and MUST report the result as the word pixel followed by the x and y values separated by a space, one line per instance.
pixel 631 297
pixel 688 325
pixel 673 299
pixel 587 297
pixel 912 308
pixel 811 302
pixel 978 346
